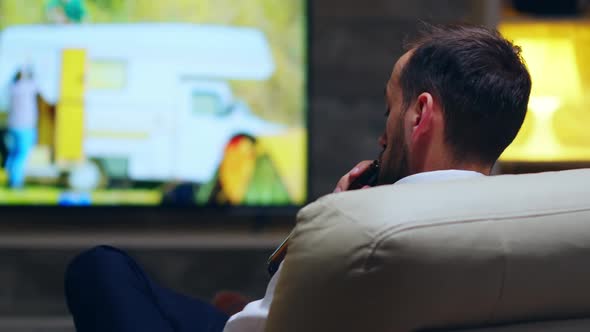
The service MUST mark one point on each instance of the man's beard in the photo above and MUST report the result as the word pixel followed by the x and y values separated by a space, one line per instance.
pixel 395 166
pixel 393 170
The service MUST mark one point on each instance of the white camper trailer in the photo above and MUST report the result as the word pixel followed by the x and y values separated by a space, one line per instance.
pixel 155 96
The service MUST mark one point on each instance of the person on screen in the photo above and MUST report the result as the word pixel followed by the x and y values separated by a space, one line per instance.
pixel 22 126
pixel 455 100
pixel 66 11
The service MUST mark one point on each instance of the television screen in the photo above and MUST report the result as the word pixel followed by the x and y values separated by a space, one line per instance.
pixel 142 102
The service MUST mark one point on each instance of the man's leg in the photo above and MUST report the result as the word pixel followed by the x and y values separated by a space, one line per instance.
pixel 107 291
pixel 14 154
pixel 23 141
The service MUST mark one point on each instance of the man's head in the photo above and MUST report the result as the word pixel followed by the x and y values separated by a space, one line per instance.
pixel 455 100
pixel 18 76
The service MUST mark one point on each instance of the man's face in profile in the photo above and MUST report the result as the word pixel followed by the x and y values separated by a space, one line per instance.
pixel 394 159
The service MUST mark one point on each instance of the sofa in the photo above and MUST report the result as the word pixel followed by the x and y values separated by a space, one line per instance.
pixel 506 253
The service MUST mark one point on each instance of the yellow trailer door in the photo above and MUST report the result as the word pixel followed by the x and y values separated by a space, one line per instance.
pixel 69 126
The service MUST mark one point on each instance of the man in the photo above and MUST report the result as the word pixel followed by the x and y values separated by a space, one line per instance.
pixel 22 126
pixel 454 101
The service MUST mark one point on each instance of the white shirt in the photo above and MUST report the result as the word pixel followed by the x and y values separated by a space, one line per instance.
pixel 23 105
pixel 253 317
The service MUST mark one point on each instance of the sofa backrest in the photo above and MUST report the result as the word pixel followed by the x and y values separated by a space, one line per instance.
pixel 440 256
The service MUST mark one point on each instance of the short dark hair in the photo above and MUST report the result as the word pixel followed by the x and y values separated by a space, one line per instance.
pixel 480 80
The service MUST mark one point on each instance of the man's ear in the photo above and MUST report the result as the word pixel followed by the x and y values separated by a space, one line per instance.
pixel 422 117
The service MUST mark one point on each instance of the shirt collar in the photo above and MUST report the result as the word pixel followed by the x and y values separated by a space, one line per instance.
pixel 436 176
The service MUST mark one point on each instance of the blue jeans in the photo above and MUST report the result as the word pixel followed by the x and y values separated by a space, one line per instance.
pixel 106 290
pixel 21 143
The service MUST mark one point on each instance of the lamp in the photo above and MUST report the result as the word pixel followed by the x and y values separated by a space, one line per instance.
pixel 556 81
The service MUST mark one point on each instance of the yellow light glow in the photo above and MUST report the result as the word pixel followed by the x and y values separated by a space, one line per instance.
pixel 553 65
pixel 556 56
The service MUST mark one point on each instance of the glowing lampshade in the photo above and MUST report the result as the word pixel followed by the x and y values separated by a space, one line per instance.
pixel 553 66
pixel 551 57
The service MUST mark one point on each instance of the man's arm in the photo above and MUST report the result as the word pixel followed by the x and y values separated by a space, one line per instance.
pixel 253 317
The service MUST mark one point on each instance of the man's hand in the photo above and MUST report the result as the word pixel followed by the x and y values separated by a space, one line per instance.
pixel 349 177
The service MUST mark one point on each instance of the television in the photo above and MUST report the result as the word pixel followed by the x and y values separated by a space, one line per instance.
pixel 151 103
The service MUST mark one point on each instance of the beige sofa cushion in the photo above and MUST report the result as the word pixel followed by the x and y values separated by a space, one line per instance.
pixel 461 253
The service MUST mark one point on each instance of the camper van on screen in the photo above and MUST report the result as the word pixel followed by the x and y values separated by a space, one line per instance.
pixel 144 102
